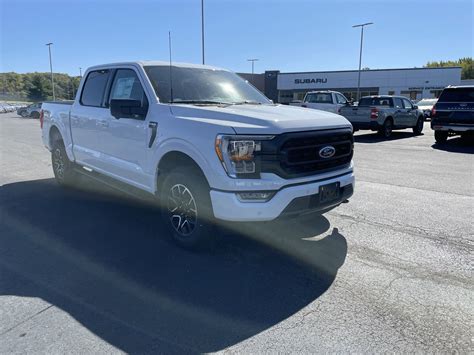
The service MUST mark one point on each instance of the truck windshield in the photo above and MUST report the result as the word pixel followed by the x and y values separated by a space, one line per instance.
pixel 319 98
pixel 201 85
pixel 375 101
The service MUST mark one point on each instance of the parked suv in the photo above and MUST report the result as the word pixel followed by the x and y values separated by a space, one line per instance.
pixel 32 110
pixel 453 114
pixel 202 142
pixel 384 114
pixel 330 101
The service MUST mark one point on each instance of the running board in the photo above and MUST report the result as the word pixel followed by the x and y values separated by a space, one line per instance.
pixel 115 184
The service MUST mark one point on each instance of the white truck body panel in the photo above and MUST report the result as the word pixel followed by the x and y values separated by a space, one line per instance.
pixel 118 148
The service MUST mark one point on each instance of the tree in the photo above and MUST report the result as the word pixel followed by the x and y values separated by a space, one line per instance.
pixel 467 65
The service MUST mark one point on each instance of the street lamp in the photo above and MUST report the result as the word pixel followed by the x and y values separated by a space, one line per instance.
pixel 80 72
pixel 253 61
pixel 51 69
pixel 202 29
pixel 360 55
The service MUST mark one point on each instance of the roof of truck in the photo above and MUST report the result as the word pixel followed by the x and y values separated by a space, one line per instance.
pixel 145 63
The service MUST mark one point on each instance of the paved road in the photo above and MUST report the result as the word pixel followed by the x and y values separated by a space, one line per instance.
pixel 88 271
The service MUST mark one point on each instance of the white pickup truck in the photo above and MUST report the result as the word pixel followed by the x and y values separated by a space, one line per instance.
pixel 331 101
pixel 200 141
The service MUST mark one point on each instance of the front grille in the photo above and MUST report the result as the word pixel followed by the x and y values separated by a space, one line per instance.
pixel 297 154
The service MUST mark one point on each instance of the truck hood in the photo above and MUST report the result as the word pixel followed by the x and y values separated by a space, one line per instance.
pixel 261 119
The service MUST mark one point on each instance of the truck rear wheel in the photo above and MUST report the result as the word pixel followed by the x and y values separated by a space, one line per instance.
pixel 386 129
pixel 63 168
pixel 441 136
pixel 186 207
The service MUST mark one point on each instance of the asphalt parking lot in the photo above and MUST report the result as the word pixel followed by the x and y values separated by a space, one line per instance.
pixel 86 270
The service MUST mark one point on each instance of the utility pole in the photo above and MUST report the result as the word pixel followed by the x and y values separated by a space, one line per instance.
pixel 360 54
pixel 202 30
pixel 253 61
pixel 51 69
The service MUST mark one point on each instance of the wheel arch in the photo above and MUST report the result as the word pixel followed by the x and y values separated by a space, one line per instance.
pixel 174 159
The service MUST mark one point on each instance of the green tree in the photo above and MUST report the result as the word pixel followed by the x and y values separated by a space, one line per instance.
pixel 467 65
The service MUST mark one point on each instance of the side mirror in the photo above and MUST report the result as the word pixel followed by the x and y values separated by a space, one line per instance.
pixel 120 108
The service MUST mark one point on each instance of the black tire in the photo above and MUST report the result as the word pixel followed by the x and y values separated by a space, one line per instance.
pixel 186 207
pixel 24 114
pixel 63 168
pixel 419 126
pixel 386 130
pixel 35 114
pixel 441 136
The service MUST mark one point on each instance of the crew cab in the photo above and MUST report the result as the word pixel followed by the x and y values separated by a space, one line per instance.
pixel 330 101
pixel 453 114
pixel 200 141
pixel 384 114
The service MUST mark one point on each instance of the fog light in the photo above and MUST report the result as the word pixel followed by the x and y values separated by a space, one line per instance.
pixel 256 196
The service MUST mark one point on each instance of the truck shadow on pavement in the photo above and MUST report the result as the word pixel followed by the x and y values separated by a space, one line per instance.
pixel 106 262
pixel 373 137
pixel 456 145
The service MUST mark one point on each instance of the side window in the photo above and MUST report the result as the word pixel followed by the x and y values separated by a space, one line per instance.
pixel 407 104
pixel 397 103
pixel 341 99
pixel 94 88
pixel 127 86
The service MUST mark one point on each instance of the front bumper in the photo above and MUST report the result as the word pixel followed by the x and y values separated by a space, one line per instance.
pixel 293 199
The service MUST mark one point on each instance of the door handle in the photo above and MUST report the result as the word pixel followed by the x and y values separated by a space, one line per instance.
pixel 154 128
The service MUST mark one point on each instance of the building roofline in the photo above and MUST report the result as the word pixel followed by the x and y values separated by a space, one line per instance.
pixel 355 70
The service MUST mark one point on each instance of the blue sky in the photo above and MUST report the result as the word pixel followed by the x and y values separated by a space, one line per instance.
pixel 298 35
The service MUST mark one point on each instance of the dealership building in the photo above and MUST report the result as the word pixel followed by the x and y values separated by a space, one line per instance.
pixel 414 83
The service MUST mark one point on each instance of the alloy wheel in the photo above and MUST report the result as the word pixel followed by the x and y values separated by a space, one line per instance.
pixel 58 163
pixel 182 210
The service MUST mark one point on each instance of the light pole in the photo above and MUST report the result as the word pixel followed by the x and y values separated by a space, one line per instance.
pixel 360 55
pixel 253 61
pixel 80 72
pixel 51 69
pixel 202 29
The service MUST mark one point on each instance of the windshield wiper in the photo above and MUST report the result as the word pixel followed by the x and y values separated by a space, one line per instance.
pixel 200 102
pixel 247 102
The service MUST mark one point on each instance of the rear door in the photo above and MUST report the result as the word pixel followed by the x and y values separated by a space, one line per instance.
pixel 399 112
pixel 87 115
pixel 124 141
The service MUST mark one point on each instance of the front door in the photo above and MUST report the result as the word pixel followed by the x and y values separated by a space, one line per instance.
pixel 410 112
pixel 124 142
pixel 399 115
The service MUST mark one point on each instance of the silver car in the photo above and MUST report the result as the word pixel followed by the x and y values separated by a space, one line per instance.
pixel 32 110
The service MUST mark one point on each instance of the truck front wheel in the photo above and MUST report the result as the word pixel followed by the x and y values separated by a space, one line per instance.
pixel 186 207
pixel 63 168
pixel 441 136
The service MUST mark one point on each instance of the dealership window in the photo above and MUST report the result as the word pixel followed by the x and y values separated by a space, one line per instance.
pixel 436 93
pixel 391 92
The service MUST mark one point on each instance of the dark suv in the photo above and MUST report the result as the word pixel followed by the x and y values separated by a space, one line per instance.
pixel 453 114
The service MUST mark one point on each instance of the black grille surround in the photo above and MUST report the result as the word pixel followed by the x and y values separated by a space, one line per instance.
pixel 296 154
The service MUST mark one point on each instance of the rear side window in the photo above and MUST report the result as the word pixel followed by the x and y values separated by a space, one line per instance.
pixel 319 98
pixel 341 99
pixel 375 101
pixel 94 88
pixel 457 95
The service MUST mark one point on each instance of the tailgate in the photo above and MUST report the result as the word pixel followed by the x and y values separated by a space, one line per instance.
pixel 455 112
pixel 356 113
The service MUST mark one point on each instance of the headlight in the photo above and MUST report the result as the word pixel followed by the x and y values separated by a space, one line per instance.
pixel 238 154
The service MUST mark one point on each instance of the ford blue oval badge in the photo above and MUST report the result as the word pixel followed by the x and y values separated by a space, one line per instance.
pixel 327 151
